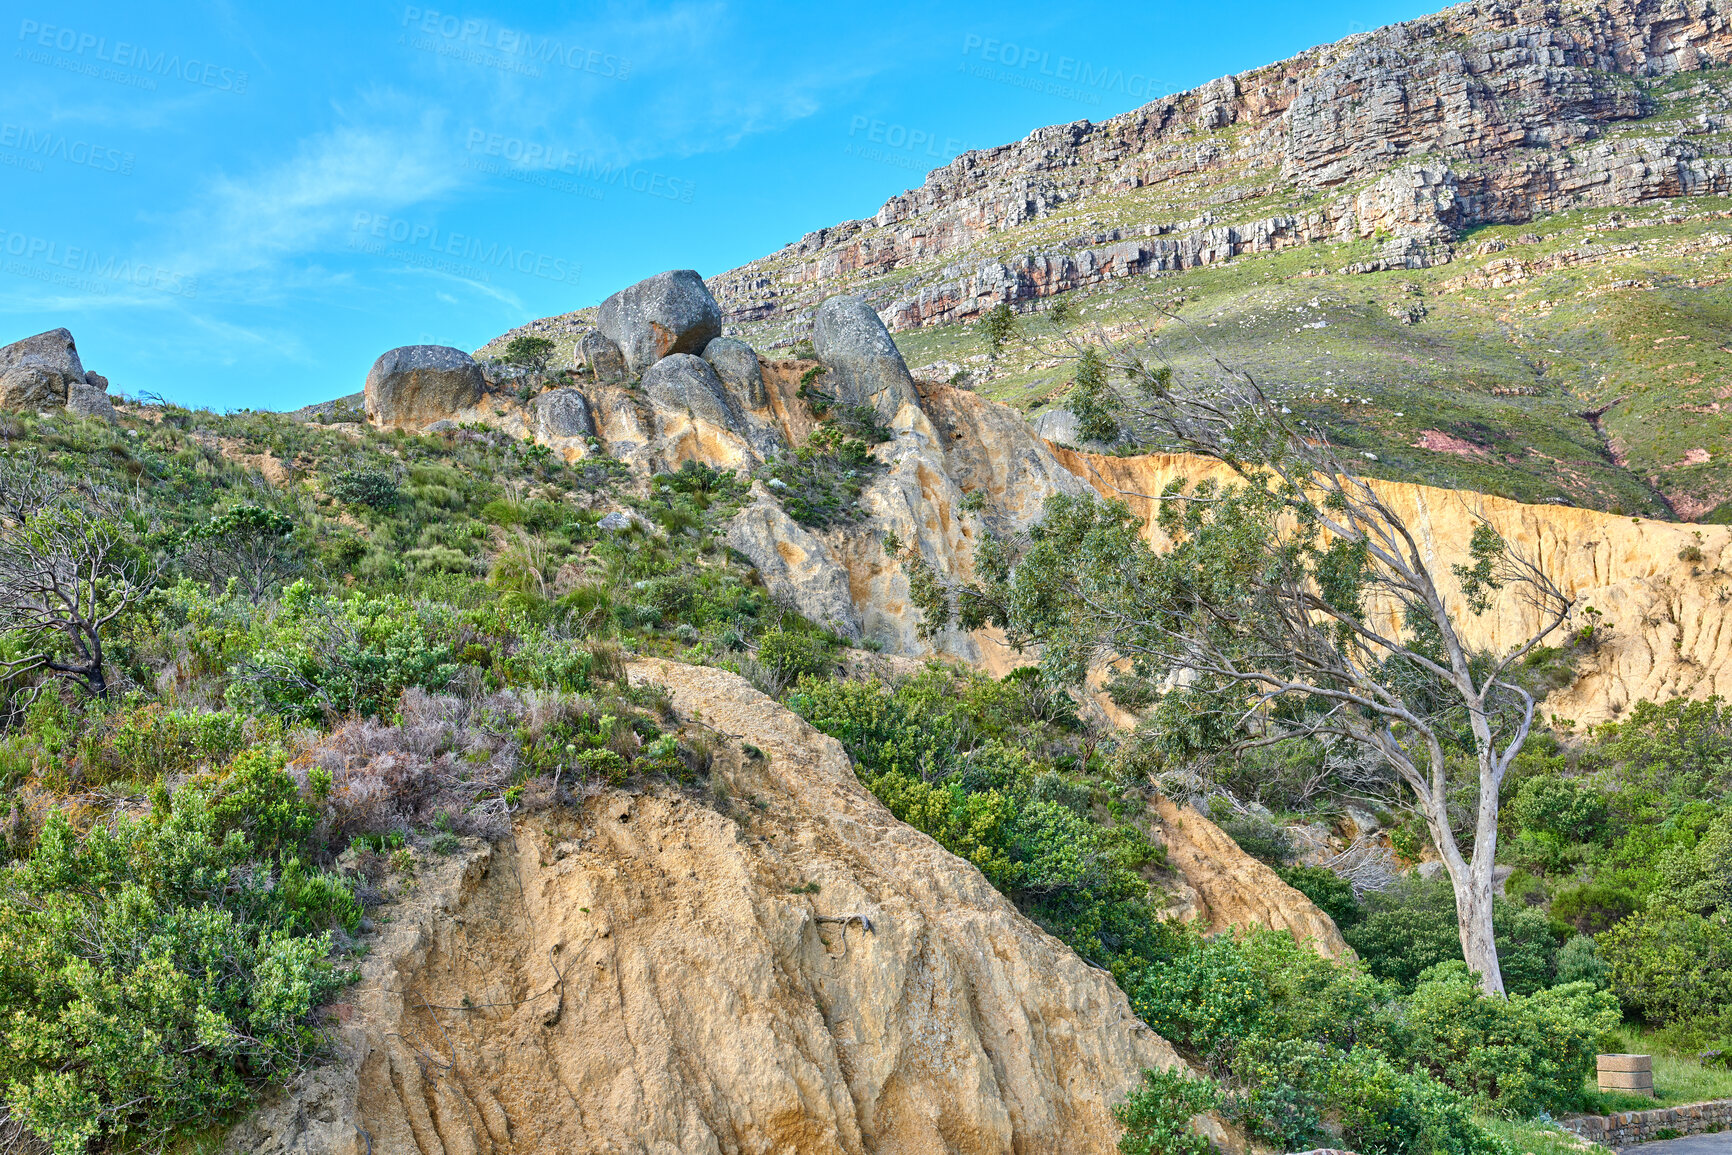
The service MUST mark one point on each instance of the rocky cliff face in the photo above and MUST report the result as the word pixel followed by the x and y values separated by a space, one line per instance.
pixel 1487 112
pixel 803 973
pixel 958 466
pixel 1663 588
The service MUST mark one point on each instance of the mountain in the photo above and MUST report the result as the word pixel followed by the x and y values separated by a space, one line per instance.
pixel 1487 248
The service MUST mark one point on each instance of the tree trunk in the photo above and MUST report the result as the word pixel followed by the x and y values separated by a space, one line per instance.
pixel 1472 883
pixel 1478 941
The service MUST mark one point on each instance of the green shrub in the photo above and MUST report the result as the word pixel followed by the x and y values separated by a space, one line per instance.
pixel 1413 927
pixel 1671 965
pixel 792 655
pixel 155 972
pixel 146 742
pixel 1157 1115
pixel 1673 961
pixel 1333 894
pixel 1382 1108
pixel 320 656
pixel 821 482
pixel 372 488
pixel 1518 1055
pixel 1579 961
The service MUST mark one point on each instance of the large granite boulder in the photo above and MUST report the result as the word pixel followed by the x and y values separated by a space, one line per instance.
pixel 682 383
pixel 668 313
pixel 868 369
pixel 602 357
pixel 562 413
pixel 36 372
pixel 798 570
pixel 89 401
pixel 413 386
pixel 736 363
pixel 695 418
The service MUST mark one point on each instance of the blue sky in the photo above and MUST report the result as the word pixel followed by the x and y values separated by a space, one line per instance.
pixel 241 206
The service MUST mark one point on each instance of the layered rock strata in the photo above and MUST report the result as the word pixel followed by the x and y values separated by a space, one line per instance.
pixel 1488 112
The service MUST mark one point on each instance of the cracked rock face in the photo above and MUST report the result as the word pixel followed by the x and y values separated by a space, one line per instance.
pixel 644 977
pixel 415 385
pixel 671 312
pixel 868 368
pixel 37 372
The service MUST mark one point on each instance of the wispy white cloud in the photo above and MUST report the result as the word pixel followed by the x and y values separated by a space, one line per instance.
pixel 383 157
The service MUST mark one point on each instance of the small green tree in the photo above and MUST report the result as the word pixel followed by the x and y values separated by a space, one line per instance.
pixel 1060 311
pixel 255 547
pixel 527 351
pixel 998 326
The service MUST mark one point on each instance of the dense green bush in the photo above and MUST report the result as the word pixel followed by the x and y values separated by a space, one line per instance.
pixel 154 971
pixel 1157 1115
pixel 321 656
pixel 795 654
pixel 1413 927
pixel 1333 894
pixel 1518 1055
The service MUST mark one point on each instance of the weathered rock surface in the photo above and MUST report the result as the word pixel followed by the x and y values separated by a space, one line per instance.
pixel 35 372
pixel 1487 112
pixel 736 363
pixel 89 401
pixel 1234 890
pixel 796 566
pixel 695 417
pixel 563 422
pixel 415 385
pixel 645 978
pixel 602 357
pixel 1666 613
pixel 867 367
pixel 671 312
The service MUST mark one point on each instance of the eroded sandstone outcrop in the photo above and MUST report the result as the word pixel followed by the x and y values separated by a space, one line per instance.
pixel 657 976
pixel 1662 588
pixel 1231 890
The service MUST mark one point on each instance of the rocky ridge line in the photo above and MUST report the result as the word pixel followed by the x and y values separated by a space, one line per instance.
pixel 1488 112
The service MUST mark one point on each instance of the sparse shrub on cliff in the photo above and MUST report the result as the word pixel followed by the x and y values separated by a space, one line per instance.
pixel 820 483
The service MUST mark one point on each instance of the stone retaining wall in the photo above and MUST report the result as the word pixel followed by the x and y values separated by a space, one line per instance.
pixel 1629 1127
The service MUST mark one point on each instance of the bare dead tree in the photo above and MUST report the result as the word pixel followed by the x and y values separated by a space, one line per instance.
pixel 1294 601
pixel 69 568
